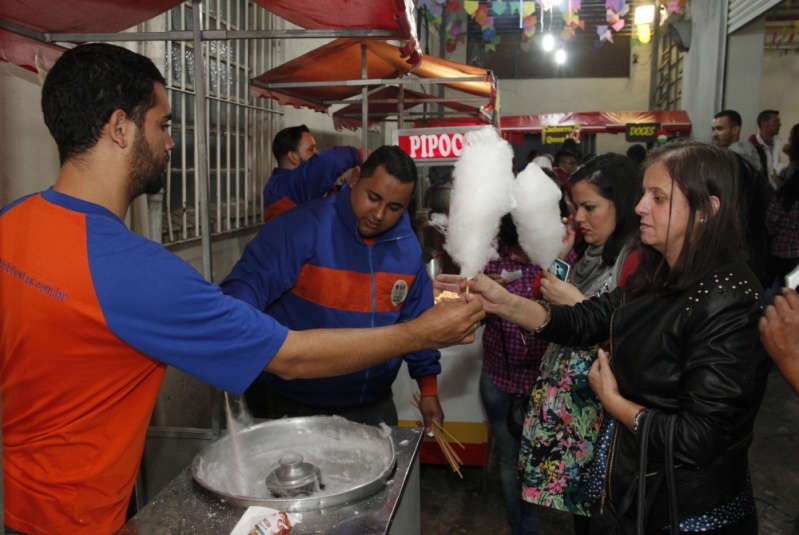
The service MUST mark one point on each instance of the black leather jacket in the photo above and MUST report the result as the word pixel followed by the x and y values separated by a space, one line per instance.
pixel 697 354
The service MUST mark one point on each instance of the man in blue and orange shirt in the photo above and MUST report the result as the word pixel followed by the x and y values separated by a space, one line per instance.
pixel 91 313
pixel 349 260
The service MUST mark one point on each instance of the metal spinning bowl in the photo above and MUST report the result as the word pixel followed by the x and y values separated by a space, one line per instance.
pixel 354 461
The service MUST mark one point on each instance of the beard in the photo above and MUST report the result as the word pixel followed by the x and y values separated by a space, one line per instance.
pixel 148 170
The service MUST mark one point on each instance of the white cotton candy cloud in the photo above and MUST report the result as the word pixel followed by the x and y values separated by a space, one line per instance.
pixel 537 215
pixel 483 192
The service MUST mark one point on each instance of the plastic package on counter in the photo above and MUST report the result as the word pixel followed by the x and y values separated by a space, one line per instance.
pixel 265 521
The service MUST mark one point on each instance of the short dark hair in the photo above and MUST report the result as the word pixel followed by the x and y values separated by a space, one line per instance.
pixel 788 192
pixel 637 153
pixel 699 170
pixel 288 140
pixel 765 116
pixel 86 85
pixel 732 116
pixel 396 161
pixel 617 179
pixel 565 153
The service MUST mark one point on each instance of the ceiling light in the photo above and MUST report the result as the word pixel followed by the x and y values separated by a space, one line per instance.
pixel 548 42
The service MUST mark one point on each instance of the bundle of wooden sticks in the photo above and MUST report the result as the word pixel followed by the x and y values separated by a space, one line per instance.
pixel 439 433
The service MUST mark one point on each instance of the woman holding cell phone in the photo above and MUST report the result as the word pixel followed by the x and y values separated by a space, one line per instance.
pixel 562 422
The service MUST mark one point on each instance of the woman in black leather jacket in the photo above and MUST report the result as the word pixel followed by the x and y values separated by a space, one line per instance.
pixel 683 339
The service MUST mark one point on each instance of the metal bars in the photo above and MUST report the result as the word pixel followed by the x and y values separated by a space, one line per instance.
pixel 238 128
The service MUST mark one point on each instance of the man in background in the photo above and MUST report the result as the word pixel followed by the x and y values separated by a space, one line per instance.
pixel 349 260
pixel 768 145
pixel 303 173
pixel 726 133
pixel 91 314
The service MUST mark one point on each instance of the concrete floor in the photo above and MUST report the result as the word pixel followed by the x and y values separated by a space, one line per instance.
pixel 473 505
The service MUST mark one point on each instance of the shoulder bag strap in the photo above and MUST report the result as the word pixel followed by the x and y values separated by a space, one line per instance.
pixel 643 448
pixel 671 484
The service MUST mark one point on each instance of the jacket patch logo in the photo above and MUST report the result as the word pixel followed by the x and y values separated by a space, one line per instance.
pixel 399 292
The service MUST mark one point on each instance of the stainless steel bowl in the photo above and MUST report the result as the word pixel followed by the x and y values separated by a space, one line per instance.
pixel 354 460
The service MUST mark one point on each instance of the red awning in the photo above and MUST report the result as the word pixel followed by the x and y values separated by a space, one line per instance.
pixel 320 77
pixel 386 103
pixel 108 16
pixel 673 122
pixel 28 53
pixel 66 16
pixel 396 15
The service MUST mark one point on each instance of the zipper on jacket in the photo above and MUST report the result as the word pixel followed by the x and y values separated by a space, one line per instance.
pixel 607 490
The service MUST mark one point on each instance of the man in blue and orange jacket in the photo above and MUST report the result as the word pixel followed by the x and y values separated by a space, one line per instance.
pixel 349 260
pixel 303 173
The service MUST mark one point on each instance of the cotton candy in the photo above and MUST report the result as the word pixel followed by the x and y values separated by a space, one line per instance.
pixel 482 193
pixel 537 216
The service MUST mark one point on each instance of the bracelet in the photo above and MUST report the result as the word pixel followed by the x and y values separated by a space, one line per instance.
pixel 637 419
pixel 543 325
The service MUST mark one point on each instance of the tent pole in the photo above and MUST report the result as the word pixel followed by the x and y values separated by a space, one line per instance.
pixel 364 103
pixel 203 184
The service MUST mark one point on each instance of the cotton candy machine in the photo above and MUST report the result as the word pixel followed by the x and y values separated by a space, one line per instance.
pixel 297 464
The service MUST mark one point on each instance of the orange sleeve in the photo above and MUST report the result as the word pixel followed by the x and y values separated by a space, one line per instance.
pixel 428 386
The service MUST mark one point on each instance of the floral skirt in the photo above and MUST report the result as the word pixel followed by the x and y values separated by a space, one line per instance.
pixel 560 430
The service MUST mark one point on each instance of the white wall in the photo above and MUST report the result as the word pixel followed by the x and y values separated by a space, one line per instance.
pixel 782 72
pixel 28 154
pixel 703 66
pixel 741 89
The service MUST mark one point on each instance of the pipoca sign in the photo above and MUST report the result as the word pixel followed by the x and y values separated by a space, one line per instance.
pixel 433 144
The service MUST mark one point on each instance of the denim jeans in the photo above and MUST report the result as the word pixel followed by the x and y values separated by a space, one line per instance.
pixel 522 516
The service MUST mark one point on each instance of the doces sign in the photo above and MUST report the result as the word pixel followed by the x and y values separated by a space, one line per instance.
pixel 641 131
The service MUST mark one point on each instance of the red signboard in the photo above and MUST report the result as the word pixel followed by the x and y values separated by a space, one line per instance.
pixel 432 144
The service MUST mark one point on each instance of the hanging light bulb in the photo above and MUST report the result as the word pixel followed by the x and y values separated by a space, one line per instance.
pixel 548 42
pixel 560 56
pixel 644 17
pixel 644 33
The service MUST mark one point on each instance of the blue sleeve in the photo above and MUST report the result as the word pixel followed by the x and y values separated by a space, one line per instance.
pixel 313 178
pixel 420 297
pixel 160 305
pixel 271 262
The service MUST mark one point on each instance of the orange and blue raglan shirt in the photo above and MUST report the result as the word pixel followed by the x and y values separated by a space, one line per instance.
pixel 90 316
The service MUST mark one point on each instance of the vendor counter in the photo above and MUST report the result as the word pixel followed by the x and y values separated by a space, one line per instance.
pixel 184 507
pixel 459 394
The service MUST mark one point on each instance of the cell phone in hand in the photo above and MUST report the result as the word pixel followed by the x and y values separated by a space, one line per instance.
pixel 560 269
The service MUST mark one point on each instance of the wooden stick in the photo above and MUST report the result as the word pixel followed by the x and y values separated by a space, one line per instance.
pixel 448 453
pixel 455 440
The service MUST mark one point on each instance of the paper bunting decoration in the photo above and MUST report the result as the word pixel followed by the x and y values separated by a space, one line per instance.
pixel 546 5
pixel 616 10
pixel 673 6
pixel 434 7
pixel 498 7
pixel 453 7
pixel 470 6
pixel 492 45
pixel 568 33
pixel 481 14
pixel 528 26
pixel 528 8
pixel 604 34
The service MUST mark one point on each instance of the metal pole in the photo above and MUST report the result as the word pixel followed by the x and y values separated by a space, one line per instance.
pixel 364 104
pixel 203 184
pixel 201 149
pixel 654 61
